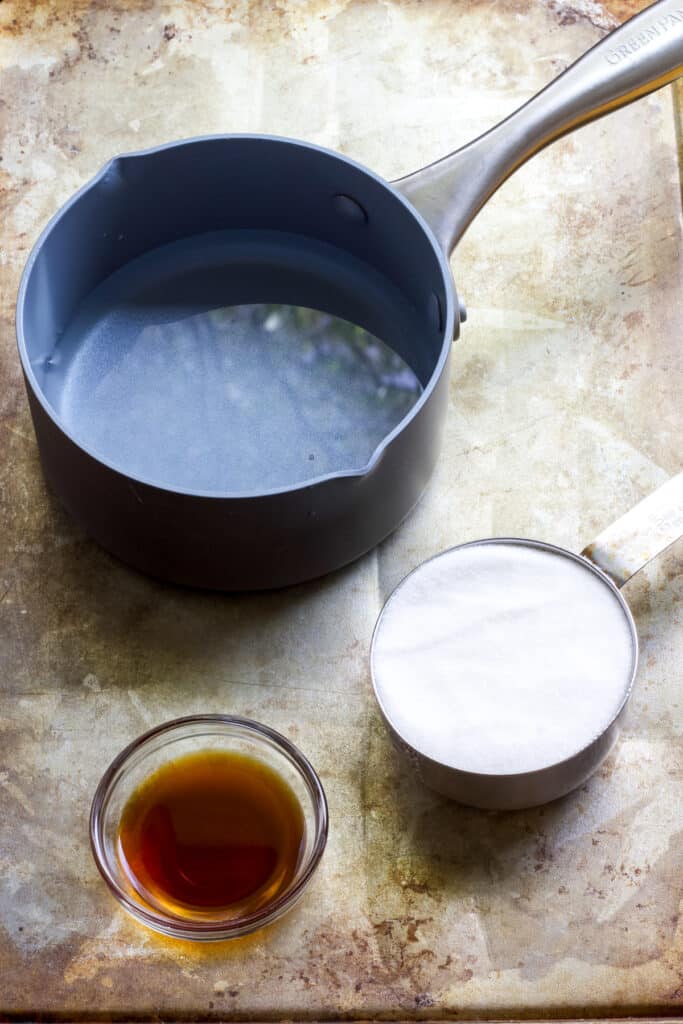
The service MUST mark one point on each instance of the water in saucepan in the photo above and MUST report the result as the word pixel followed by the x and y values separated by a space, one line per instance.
pixel 236 399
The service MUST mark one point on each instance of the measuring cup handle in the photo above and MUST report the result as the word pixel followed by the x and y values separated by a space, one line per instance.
pixel 640 56
pixel 647 530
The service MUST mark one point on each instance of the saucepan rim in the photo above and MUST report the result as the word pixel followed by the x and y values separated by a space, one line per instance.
pixel 378 453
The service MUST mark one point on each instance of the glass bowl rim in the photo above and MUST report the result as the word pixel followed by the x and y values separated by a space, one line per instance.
pixel 223 928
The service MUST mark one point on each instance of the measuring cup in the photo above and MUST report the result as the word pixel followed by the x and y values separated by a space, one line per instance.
pixel 503 667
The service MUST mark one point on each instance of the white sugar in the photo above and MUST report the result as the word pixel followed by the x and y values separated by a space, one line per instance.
pixel 502 658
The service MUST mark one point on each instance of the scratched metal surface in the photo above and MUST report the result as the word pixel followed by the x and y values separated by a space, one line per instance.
pixel 565 410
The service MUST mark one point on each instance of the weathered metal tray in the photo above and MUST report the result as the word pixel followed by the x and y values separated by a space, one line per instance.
pixel 565 410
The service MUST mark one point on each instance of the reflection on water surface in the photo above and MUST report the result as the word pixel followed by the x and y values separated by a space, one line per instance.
pixel 238 399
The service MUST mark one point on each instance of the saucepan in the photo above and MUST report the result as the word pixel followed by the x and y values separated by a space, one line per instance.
pixel 236 348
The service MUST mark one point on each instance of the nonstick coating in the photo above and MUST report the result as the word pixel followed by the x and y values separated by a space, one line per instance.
pixel 159 367
pixel 167 235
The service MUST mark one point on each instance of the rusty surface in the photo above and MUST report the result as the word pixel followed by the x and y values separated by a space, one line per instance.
pixel 565 410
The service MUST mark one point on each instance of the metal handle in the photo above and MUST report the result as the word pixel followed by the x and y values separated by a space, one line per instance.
pixel 640 56
pixel 647 530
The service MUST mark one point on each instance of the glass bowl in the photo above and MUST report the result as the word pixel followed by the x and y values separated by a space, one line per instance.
pixel 168 742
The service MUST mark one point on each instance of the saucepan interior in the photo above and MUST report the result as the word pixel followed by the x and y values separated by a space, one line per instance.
pixel 234 316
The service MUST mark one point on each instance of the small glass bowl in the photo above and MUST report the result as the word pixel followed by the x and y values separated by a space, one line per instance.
pixel 168 742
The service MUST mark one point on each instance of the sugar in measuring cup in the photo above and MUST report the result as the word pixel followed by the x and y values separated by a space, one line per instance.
pixel 503 667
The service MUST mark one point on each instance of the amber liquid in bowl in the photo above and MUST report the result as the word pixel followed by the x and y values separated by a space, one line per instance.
pixel 212 833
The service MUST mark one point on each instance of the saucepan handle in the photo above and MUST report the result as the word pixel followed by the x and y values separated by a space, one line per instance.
pixel 640 56
pixel 645 531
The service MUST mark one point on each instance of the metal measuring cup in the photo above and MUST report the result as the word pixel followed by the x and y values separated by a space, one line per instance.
pixel 502 698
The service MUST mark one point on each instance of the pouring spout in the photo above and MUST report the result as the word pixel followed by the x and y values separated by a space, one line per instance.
pixel 642 55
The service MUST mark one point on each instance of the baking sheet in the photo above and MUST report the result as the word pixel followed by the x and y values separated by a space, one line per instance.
pixel 565 410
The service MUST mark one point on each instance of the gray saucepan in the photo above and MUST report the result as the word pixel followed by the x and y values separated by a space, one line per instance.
pixel 236 348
